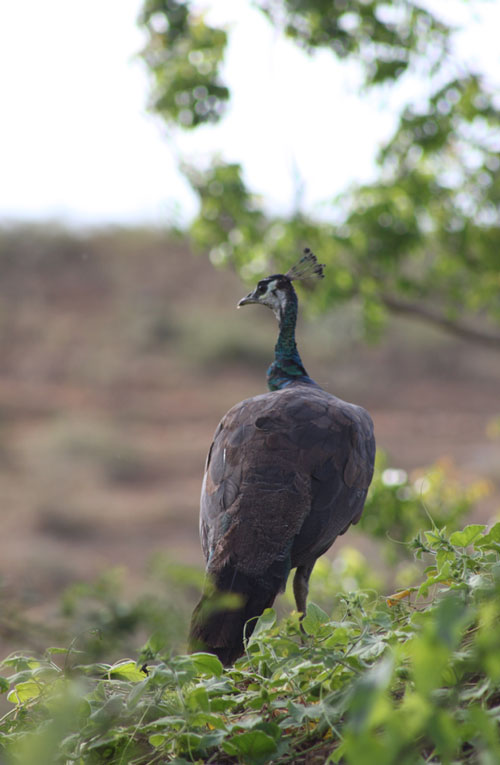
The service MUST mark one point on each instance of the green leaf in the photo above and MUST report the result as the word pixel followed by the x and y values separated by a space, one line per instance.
pixel 339 636
pixel 207 664
pixel 487 728
pixel 109 712
pixel 17 661
pixel 188 742
pixel 212 720
pixel 265 622
pixel 197 699
pixel 24 692
pixel 491 539
pixel 443 576
pixel 372 650
pixel 433 538
pixel 157 739
pixel 137 692
pixel 368 692
pixel 444 556
pixel 252 746
pixel 167 723
pixel 127 670
pixel 301 712
pixel 314 619
pixel 448 619
pixel 465 537
pixel 4 684
pixel 109 737
pixel 156 643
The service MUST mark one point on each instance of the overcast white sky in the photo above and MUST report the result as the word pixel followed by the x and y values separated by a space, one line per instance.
pixel 77 145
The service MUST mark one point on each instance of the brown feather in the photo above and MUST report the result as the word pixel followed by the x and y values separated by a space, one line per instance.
pixel 287 472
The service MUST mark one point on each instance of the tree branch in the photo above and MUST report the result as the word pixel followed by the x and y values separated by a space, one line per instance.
pixel 457 328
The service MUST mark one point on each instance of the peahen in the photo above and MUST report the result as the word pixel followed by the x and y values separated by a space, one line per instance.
pixel 287 472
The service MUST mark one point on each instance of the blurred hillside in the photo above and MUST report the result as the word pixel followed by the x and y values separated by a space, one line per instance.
pixel 119 352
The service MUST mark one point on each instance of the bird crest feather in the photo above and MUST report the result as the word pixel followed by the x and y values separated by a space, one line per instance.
pixel 306 268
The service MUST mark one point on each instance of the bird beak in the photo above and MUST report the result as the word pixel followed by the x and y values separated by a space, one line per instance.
pixel 248 299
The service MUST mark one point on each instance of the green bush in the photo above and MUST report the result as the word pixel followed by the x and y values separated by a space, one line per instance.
pixel 412 678
pixel 108 619
pixel 400 504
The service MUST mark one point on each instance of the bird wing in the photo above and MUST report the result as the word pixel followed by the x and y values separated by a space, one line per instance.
pixel 341 470
pixel 286 473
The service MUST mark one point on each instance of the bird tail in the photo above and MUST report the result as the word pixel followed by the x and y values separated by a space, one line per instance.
pixel 226 614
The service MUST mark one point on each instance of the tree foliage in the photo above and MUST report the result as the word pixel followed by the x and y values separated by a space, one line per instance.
pixel 424 238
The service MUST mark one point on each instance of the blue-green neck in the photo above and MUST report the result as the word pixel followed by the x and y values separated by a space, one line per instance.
pixel 287 366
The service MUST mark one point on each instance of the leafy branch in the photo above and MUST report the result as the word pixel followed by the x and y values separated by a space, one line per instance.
pixel 438 189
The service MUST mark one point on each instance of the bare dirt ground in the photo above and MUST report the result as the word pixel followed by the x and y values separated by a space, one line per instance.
pixel 120 352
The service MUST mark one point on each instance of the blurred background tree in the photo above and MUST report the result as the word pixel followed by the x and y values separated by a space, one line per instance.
pixel 423 239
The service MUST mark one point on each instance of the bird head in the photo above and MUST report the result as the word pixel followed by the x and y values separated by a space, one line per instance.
pixel 276 290
pixel 273 292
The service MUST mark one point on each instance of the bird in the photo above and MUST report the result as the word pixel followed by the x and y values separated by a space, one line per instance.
pixel 287 473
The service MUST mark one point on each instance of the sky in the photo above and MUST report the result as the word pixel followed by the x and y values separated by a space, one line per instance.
pixel 77 143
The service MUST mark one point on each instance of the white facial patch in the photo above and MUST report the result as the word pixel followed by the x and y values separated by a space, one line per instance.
pixel 271 286
pixel 274 300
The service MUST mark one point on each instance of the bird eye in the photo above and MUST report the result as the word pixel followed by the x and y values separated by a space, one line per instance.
pixel 261 288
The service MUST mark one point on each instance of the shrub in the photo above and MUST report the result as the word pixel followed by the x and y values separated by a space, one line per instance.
pixel 412 678
pixel 398 503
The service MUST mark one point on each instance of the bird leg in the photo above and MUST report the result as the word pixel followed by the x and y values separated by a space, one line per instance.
pixel 301 587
